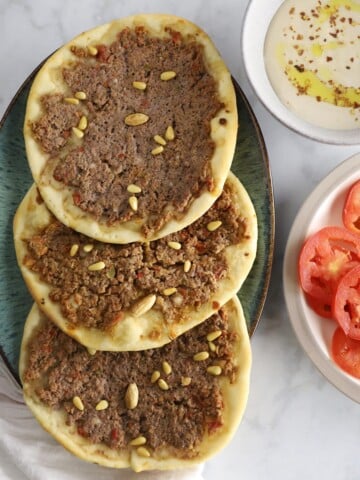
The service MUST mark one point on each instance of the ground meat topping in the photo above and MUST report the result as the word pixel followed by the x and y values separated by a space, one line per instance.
pixel 60 369
pixel 95 282
pixel 114 155
pixel 53 129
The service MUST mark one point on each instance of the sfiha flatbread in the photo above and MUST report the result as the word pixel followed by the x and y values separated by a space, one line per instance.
pixel 130 128
pixel 160 409
pixel 140 295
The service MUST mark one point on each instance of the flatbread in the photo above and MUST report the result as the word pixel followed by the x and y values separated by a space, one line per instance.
pixel 234 394
pixel 131 329
pixel 63 200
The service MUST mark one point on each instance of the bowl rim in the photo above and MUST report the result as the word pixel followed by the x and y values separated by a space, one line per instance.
pixel 252 44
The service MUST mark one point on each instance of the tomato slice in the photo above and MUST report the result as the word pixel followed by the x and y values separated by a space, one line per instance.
pixel 320 307
pixel 325 258
pixel 346 303
pixel 346 353
pixel 351 210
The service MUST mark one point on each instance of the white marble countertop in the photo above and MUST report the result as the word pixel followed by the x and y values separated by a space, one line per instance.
pixel 296 424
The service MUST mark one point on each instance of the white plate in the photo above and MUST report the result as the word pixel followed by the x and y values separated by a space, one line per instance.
pixel 257 19
pixel 323 207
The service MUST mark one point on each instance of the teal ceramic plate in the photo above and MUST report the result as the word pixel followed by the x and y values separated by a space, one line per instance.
pixel 250 165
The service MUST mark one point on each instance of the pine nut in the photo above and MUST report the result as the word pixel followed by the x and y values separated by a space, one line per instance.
pixel 169 291
pixel 78 403
pixel 132 396
pixel 80 95
pixel 72 100
pixel 83 123
pixel 143 452
pixel 214 370
pixel 140 440
pixel 174 245
pixel 88 247
pixel 133 202
pixel 157 150
pixel 111 272
pixel 162 384
pixel 74 249
pixel 199 357
pixel 166 367
pixel 155 376
pixel 170 134
pixel 132 188
pixel 212 347
pixel 168 75
pixel 102 405
pixel 185 381
pixel 91 351
pixel 135 119
pixel 213 335
pixel 144 305
pixel 212 226
pixel 139 85
pixel 78 133
pixel 92 50
pixel 187 266
pixel 94 267
pixel 159 139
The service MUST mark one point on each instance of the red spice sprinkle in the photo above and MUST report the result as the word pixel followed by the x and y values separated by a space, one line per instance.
pixel 299 68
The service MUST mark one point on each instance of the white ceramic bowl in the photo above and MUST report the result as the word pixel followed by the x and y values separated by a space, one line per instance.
pixel 323 207
pixel 257 19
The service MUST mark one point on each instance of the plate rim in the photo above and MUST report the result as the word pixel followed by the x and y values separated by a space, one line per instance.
pixel 268 98
pixel 265 157
pixel 3 119
pixel 268 262
pixel 291 288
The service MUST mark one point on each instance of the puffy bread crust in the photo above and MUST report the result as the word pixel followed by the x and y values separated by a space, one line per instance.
pixel 48 80
pixel 150 329
pixel 235 398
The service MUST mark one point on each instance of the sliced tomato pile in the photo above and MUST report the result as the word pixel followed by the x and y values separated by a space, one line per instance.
pixel 329 275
